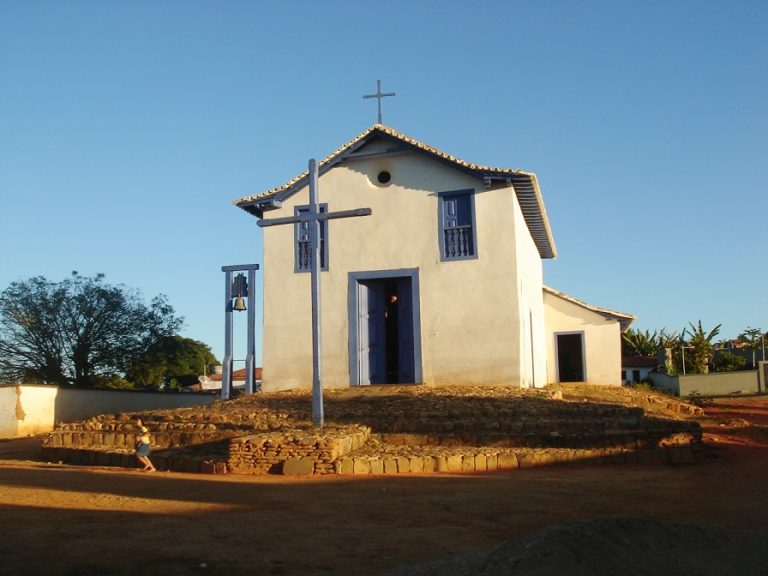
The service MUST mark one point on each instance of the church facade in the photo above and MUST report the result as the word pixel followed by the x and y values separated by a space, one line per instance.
pixel 442 284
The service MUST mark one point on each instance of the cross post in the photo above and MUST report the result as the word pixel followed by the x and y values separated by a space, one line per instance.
pixel 314 217
pixel 318 417
pixel 379 95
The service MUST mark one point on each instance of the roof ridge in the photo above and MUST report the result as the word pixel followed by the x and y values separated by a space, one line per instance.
pixel 390 132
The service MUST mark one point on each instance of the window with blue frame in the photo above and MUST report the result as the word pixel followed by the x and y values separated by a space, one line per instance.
pixel 302 244
pixel 458 238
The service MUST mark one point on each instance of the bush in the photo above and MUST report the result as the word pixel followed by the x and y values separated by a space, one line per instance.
pixel 729 362
pixel 112 382
pixel 644 384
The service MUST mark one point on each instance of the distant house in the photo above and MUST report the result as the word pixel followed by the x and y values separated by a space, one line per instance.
pixel 442 285
pixel 635 369
pixel 213 382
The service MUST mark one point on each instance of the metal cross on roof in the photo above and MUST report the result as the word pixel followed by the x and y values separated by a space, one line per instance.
pixel 379 95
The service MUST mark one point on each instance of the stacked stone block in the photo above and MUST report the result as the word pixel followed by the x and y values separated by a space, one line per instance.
pixel 301 451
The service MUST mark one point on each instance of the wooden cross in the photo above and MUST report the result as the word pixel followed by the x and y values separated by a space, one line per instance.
pixel 314 217
pixel 379 95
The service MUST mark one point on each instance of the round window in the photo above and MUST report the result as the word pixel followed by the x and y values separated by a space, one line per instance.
pixel 384 177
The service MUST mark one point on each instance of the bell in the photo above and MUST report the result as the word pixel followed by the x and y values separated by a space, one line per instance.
pixel 239 304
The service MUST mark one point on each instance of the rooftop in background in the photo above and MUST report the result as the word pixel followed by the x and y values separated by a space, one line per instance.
pixel 639 361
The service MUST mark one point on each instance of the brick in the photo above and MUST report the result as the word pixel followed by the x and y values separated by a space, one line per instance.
pixel 417 464
pixel 480 462
pixel 377 466
pixel 361 466
pixel 345 465
pixel 454 463
pixel 187 465
pixel 526 460
pixel 299 466
pixel 468 462
pixel 508 461
pixel 403 465
pixel 390 466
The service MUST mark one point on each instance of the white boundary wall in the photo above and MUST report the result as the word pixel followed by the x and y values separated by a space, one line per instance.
pixel 713 384
pixel 26 410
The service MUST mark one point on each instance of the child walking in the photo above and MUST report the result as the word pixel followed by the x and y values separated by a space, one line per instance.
pixel 143 446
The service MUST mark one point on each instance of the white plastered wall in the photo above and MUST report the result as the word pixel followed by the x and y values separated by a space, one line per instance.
pixel 469 309
pixel 533 346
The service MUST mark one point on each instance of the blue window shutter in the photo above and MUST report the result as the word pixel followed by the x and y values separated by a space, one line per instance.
pixel 323 243
pixel 449 213
pixel 457 228
pixel 463 211
pixel 302 256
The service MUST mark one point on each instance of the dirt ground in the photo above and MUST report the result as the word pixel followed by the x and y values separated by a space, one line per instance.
pixel 75 520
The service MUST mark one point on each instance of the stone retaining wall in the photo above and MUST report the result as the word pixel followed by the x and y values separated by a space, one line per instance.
pixel 388 430
pixel 303 452
pixel 419 460
pixel 491 460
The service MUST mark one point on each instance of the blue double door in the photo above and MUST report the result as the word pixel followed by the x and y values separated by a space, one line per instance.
pixel 386 330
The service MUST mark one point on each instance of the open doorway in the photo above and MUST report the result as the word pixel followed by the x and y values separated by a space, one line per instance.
pixel 392 336
pixel 384 328
pixel 570 357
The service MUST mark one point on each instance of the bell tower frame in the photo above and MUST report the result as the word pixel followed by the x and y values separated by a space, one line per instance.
pixel 250 354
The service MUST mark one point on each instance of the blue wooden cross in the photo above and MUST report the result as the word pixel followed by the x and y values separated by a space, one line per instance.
pixel 314 217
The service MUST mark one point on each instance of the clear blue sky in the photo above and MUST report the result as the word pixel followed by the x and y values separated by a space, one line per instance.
pixel 127 129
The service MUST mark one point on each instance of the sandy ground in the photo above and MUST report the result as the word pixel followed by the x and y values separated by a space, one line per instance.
pixel 74 520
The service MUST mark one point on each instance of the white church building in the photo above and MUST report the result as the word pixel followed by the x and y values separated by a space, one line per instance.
pixel 441 285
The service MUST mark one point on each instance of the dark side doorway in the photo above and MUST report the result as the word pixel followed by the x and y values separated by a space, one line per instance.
pixel 570 357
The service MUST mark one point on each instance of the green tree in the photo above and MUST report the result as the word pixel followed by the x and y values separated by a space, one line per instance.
pixel 78 331
pixel 637 343
pixel 699 348
pixel 172 358
pixel 670 343
pixel 726 361
pixel 754 338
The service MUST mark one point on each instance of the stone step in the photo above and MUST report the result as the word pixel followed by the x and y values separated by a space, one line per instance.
pixel 353 455
pixel 486 460
pixel 175 433
pixel 550 436
pixel 555 439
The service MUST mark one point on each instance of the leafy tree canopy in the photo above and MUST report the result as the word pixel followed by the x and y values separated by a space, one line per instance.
pixel 172 358
pixel 691 352
pixel 754 338
pixel 78 331
pixel 638 343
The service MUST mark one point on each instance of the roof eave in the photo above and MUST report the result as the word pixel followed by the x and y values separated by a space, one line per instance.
pixel 525 184
pixel 624 319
